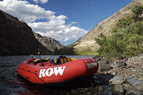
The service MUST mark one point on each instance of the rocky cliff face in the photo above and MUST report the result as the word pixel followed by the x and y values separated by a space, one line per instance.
pixel 105 26
pixel 49 43
pixel 16 37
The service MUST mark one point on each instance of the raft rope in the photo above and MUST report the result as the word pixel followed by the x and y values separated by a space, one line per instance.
pixel 31 72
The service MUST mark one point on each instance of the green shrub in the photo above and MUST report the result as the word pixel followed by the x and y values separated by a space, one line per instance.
pixel 124 43
pixel 137 10
pixel 122 23
pixel 88 51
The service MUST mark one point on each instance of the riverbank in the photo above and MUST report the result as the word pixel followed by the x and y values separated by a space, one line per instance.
pixel 119 77
pixel 124 77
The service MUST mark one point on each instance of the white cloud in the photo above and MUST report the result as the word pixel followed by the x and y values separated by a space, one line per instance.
pixel 24 10
pixel 42 1
pixel 36 1
pixel 54 26
pixel 60 32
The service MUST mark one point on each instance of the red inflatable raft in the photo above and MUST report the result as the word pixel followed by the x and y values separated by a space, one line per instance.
pixel 51 73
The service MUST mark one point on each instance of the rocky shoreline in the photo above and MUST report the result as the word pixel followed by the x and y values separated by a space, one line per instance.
pixel 125 76
pixel 119 77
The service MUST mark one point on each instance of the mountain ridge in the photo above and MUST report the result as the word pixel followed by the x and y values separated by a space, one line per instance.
pixel 17 38
pixel 48 42
pixel 105 27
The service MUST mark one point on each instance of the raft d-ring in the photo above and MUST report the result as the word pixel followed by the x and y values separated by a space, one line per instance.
pixel 93 59
pixel 27 77
pixel 35 72
pixel 86 61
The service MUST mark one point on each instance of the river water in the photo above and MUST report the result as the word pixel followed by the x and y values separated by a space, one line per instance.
pixel 13 84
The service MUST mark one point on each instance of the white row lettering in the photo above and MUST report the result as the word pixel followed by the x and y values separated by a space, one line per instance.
pixel 91 65
pixel 51 71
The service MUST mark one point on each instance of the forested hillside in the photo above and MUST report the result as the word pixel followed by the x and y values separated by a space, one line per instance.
pixel 127 37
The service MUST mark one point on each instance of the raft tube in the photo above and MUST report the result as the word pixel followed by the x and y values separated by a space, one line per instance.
pixel 51 73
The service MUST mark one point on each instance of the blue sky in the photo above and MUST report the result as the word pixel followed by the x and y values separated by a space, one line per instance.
pixel 63 20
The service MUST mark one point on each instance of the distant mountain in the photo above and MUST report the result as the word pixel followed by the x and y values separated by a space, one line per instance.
pixel 104 27
pixel 17 38
pixel 50 43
